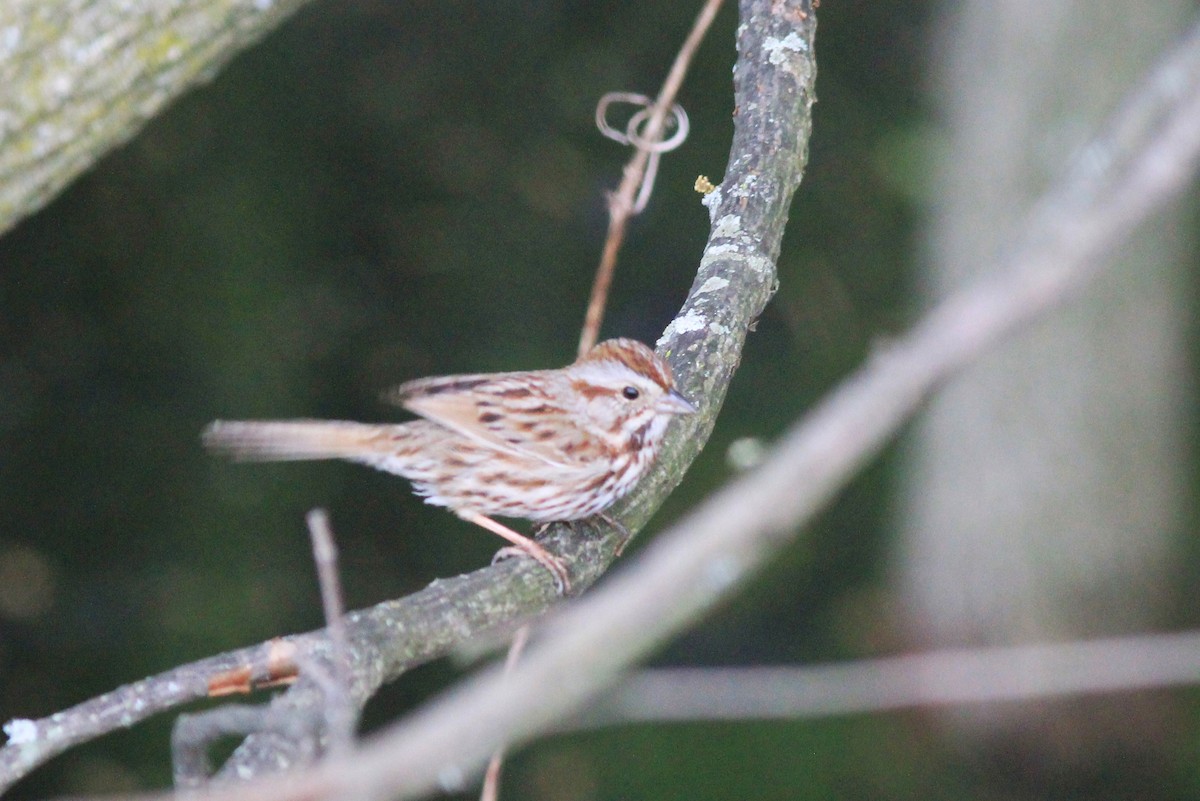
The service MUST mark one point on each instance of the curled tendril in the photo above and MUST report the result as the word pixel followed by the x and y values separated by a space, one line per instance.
pixel 632 135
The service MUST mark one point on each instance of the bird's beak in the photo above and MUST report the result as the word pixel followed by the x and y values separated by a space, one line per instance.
pixel 674 403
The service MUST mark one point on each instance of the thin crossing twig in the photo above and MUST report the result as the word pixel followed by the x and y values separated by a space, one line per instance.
pixel 622 204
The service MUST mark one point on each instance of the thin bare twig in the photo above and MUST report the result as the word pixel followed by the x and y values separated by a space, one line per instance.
pixel 339 711
pixel 491 777
pixel 950 676
pixel 621 203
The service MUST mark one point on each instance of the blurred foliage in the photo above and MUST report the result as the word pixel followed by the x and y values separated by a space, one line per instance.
pixel 382 191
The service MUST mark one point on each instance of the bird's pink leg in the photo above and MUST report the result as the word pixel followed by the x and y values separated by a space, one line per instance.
pixel 528 546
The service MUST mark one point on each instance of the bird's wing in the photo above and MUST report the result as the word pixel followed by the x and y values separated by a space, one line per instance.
pixel 511 412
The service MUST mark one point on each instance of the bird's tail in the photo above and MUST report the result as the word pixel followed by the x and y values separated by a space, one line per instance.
pixel 298 440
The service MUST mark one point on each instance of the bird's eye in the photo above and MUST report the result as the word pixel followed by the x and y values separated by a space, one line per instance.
pixel 630 393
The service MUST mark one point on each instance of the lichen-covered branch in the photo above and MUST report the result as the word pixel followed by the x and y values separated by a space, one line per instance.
pixel 79 77
pixel 384 641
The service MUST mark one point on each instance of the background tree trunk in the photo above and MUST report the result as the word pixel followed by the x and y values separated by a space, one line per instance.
pixel 1045 487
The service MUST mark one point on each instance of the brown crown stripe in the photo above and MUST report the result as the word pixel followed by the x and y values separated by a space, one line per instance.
pixel 636 357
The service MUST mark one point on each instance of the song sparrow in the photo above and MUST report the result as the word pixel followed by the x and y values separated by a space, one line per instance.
pixel 542 445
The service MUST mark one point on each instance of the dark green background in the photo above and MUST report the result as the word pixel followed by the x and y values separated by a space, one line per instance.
pixel 387 190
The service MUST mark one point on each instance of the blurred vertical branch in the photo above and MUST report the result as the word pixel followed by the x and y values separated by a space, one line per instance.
pixel 1045 486
pixel 80 77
